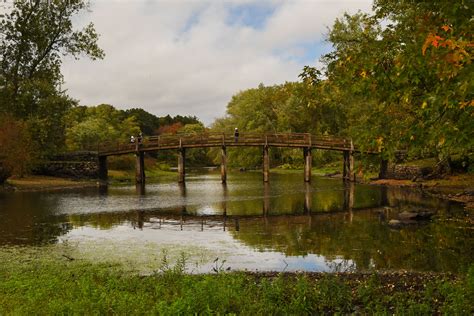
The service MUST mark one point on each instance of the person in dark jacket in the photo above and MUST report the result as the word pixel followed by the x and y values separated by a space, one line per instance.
pixel 236 134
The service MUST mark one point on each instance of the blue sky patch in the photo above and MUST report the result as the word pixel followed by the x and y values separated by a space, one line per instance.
pixel 308 52
pixel 251 15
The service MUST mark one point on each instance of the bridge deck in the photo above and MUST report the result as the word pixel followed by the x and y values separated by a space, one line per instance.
pixel 163 142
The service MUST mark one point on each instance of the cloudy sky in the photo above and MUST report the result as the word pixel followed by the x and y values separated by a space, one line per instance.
pixel 189 57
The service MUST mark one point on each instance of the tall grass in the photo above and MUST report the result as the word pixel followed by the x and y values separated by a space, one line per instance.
pixel 31 285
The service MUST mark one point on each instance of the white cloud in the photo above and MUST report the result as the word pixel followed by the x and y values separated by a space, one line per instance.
pixel 190 57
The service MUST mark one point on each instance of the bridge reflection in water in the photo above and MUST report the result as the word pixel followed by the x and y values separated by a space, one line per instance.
pixel 181 217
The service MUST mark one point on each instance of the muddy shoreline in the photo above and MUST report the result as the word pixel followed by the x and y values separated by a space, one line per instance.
pixel 461 192
pixel 43 183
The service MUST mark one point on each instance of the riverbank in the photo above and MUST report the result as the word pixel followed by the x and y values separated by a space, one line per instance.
pixel 458 188
pixel 45 183
pixel 48 183
pixel 54 283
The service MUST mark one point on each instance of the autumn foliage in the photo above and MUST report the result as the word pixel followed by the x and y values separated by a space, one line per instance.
pixel 17 149
pixel 170 129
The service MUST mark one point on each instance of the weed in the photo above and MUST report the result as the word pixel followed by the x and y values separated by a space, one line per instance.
pixel 37 283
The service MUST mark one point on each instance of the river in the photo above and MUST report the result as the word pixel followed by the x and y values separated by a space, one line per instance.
pixel 285 225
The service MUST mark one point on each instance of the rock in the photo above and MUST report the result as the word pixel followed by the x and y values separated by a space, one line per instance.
pixel 407 215
pixel 395 223
pixel 423 215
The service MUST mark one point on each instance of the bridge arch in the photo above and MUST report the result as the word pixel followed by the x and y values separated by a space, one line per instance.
pixel 304 141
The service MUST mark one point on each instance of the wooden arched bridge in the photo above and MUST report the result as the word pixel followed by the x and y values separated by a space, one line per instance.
pixel 306 142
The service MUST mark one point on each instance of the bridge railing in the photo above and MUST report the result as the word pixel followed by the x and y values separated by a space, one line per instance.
pixel 332 142
pixel 217 139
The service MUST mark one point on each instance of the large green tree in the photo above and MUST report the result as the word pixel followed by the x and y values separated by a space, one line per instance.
pixel 89 126
pixel 35 36
pixel 405 74
pixel 292 107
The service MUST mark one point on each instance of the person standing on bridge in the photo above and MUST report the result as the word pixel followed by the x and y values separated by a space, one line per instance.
pixel 140 137
pixel 236 134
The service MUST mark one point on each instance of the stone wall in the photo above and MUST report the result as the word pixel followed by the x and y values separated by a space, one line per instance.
pixel 76 165
pixel 402 172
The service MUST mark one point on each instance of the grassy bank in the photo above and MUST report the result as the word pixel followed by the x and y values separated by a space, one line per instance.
pixel 46 183
pixel 129 175
pixel 39 283
pixel 40 183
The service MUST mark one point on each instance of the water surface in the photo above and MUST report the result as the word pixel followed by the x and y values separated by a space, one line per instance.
pixel 284 225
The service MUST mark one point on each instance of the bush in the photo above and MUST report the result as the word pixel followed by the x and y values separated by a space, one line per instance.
pixel 18 148
pixel 4 173
pixel 163 166
pixel 125 162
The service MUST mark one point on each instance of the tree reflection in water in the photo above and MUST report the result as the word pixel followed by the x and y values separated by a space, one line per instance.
pixel 345 223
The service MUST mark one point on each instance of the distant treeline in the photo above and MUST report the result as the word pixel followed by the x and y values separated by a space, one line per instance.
pixel 86 126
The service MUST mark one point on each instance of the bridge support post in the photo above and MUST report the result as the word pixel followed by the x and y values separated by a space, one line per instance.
pixel 266 164
pixel 102 170
pixel 266 198
pixel 348 166
pixel 349 190
pixel 308 163
pixel 308 199
pixel 181 165
pixel 383 169
pixel 140 167
pixel 224 164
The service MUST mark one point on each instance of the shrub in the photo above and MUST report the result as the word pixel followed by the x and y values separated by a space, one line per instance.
pixel 18 152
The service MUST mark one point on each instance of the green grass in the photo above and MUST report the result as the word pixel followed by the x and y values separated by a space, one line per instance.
pixel 427 162
pixel 39 283
pixel 129 175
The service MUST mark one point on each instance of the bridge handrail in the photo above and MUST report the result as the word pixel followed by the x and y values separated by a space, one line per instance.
pixel 216 138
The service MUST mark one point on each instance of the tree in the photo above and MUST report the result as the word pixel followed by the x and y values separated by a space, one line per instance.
pixel 405 73
pixel 35 35
pixel 89 126
pixel 148 122
pixel 196 156
pixel 18 150
pixel 292 107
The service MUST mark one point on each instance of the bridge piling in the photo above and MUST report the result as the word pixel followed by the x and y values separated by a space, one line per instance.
pixel 181 165
pixel 308 199
pixel 266 164
pixel 102 170
pixel 349 190
pixel 348 166
pixel 224 164
pixel 140 167
pixel 383 169
pixel 266 198
pixel 308 162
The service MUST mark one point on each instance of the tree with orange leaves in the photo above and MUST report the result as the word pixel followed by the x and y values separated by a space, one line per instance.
pixel 17 149
pixel 407 76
